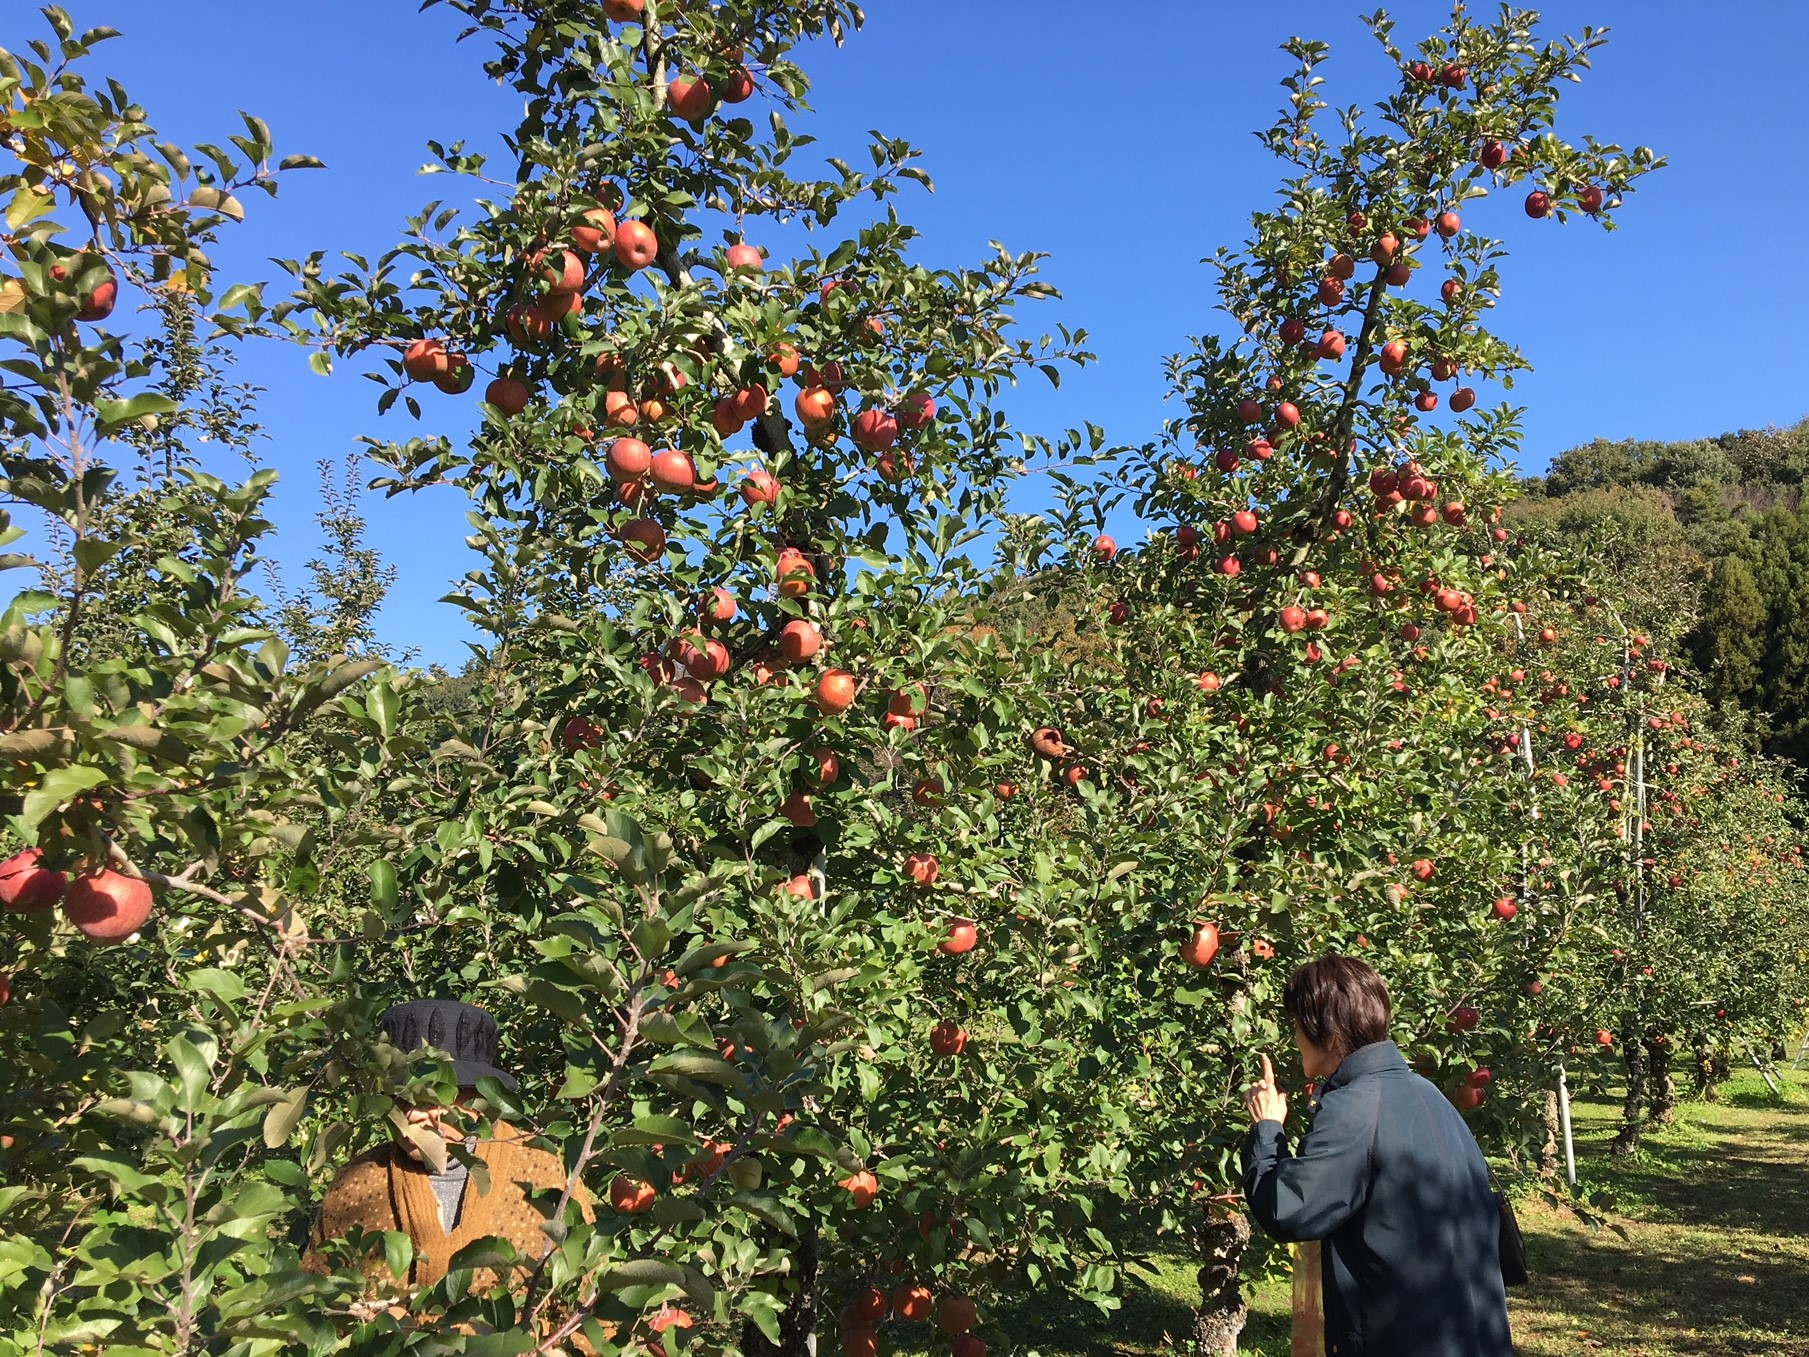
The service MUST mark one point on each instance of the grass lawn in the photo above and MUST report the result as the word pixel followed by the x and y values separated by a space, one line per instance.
pixel 1715 1262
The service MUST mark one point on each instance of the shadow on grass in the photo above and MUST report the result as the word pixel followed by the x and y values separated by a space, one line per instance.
pixel 1698 1296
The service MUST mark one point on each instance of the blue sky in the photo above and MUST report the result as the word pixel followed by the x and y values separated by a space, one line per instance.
pixel 1115 137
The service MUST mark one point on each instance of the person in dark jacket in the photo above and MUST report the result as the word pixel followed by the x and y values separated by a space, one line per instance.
pixel 1388 1176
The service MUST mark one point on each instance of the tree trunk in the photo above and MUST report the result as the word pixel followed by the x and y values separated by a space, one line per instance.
pixel 1633 1052
pixel 1220 1318
pixel 1711 1069
pixel 798 1321
pixel 1661 1087
pixel 1550 1152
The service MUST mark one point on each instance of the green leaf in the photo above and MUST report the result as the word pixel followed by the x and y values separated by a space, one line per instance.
pixel 58 787
pixel 280 1121
pixel 711 1069
pixel 383 884
pixel 642 1272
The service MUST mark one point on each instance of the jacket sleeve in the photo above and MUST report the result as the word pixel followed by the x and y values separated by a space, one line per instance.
pixel 1310 1194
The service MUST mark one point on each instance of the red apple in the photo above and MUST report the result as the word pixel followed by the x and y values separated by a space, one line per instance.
pixel 107 906
pixel 644 539
pixel 424 360
pixel 745 256
pixel 1202 945
pixel 922 868
pixel 835 691
pixel 960 938
pixel 635 245
pixel 759 486
pixel 1505 909
pixel 689 97
pixel 27 888
pixel 1449 224
pixel 1538 204
pixel 598 232
pixel 799 640
pixel 875 430
pixel 673 470
pixel 508 395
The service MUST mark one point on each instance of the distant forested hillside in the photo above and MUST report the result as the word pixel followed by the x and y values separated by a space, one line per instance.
pixel 1709 541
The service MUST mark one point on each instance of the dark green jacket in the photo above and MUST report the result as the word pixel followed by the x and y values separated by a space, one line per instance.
pixel 1390 1178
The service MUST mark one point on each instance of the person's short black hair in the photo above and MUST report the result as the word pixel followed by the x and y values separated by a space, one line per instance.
pixel 1340 1004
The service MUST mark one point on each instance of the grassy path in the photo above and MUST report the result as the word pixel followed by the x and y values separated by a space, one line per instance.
pixel 1717 1256
pixel 1714 1262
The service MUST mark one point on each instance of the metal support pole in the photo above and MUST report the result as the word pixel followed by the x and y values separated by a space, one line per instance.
pixel 1570 1148
pixel 1765 1074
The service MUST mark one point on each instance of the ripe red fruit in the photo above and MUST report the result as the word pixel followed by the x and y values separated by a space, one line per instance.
pixel 947 1039
pixel 457 376
pixel 424 360
pixel 795 573
pixel 1449 224
pixel 1385 246
pixel 1207 682
pixel 1244 522
pixel 1229 565
pixel 1464 1019
pixel 1422 869
pixel 1420 71
pixel 1331 292
pixel 689 97
pixel 1249 411
pixel 1466 1097
pixel 869 1303
pixel 1480 1077
pixel 1603 1037
pixel 797 809
pixel 1287 414
pixel 740 86
pixel 912 1302
pixel 107 906
pixel 97 303
pixel 1202 945
pixel 1394 356
pixel 509 395
pixel 624 11
pixel 960 938
pixel 745 256
pixel 628 459
pixel 1462 399
pixel 597 234
pixel 1450 290
pixel 835 691
pixel 635 245
pixel 1292 331
pixel 759 486
pixel 922 868
pixel 956 1314
pixel 916 411
pixel 720 606
pixel 1426 402
pixel 27 888
pixel 799 640
pixel 1538 204
pixel 631 1196
pixel 862 1188
pixel 1589 198
pixel 1104 547
pixel 860 1340
pixel 875 430
pixel 580 733
pixel 1292 619
pixel 968 1345
pixel 644 539
pixel 705 660
pixel 1399 274
pixel 1505 909
pixel 673 470
pixel 1331 345
pixel 815 406
pixel 1494 155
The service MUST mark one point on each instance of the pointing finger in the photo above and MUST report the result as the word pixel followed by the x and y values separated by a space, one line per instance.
pixel 1268 1069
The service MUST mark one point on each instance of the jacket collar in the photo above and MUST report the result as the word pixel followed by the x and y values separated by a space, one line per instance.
pixel 1371 1059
